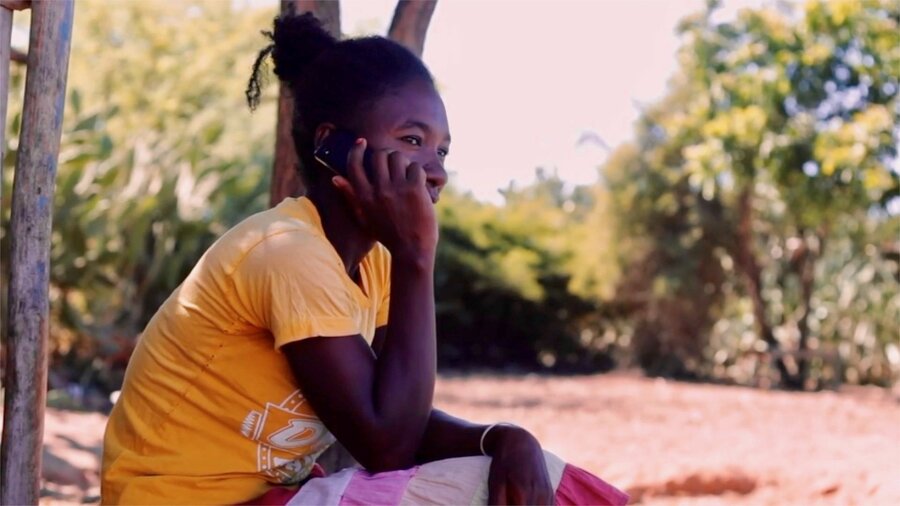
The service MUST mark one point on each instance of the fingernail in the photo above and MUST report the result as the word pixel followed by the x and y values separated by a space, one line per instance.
pixel 334 180
pixel 360 140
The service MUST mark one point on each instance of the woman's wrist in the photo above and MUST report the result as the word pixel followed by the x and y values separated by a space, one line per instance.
pixel 495 435
pixel 418 259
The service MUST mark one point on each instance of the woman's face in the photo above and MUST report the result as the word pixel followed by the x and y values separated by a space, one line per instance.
pixel 411 119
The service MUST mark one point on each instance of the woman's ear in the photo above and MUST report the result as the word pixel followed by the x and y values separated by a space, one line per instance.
pixel 322 131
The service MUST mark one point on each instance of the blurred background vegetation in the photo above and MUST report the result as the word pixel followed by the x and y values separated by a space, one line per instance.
pixel 750 233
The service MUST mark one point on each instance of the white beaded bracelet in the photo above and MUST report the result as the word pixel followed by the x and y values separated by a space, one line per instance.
pixel 484 434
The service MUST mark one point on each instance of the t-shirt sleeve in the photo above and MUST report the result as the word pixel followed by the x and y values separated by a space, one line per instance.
pixel 293 285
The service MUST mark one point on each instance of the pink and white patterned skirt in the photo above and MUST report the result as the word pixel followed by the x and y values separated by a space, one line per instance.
pixel 451 481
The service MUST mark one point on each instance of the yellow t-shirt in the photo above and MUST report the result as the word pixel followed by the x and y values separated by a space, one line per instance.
pixel 210 411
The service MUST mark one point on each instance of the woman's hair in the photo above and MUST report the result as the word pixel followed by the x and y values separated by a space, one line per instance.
pixel 330 80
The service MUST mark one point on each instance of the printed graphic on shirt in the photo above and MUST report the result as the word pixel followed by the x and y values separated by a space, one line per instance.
pixel 289 438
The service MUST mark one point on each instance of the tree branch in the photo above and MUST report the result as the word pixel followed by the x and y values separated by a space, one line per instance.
pixel 410 23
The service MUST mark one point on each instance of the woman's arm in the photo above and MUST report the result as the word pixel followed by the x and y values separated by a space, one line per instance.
pixel 447 437
pixel 518 473
pixel 378 409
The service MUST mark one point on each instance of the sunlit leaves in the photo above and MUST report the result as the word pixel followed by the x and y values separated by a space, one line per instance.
pixel 798 109
pixel 159 156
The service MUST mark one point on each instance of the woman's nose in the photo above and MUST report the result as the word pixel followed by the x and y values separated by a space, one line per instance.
pixel 436 175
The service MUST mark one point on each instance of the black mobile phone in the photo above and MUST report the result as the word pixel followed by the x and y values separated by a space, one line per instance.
pixel 334 151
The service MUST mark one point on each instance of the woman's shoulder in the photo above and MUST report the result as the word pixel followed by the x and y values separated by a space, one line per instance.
pixel 272 233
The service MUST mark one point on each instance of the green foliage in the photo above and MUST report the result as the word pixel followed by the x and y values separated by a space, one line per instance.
pixel 750 232
pixel 159 157
pixel 754 193
pixel 504 285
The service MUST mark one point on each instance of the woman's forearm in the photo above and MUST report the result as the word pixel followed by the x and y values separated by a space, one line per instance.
pixel 448 437
pixel 405 370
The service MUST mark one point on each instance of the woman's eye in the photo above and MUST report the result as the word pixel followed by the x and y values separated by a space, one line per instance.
pixel 412 139
pixel 443 153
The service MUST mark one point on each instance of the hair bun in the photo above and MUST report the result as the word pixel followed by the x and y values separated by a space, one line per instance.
pixel 298 40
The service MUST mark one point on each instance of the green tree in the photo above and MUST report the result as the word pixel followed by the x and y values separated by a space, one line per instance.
pixel 504 281
pixel 159 157
pixel 780 126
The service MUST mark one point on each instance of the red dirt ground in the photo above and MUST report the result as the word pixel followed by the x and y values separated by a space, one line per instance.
pixel 664 442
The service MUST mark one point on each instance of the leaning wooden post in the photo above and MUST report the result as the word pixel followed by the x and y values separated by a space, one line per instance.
pixel 30 226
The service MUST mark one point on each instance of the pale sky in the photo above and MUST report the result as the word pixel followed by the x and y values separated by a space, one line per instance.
pixel 524 80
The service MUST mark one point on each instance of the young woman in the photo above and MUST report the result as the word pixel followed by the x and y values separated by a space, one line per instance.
pixel 315 321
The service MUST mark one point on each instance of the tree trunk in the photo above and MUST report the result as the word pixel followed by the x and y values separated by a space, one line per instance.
pixel 25 379
pixel 410 23
pixel 752 274
pixel 285 178
pixel 806 272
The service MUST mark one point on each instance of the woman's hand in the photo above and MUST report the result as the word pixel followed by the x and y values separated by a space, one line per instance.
pixel 518 473
pixel 395 205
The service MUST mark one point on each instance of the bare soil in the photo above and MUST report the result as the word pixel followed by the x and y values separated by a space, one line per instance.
pixel 664 442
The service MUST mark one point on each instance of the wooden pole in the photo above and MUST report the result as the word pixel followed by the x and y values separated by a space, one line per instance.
pixel 285 181
pixel 30 226
pixel 410 23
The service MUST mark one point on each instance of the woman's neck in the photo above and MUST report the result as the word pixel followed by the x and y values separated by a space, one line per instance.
pixel 341 227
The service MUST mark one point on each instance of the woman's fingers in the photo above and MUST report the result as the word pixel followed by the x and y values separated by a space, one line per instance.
pixel 397 210
pixel 397 165
pixel 541 491
pixel 415 174
pixel 381 172
pixel 497 492
pixel 532 495
pixel 538 494
pixel 518 495
pixel 356 172
pixel 503 490
pixel 346 188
